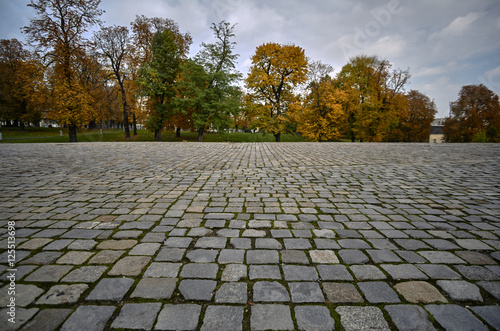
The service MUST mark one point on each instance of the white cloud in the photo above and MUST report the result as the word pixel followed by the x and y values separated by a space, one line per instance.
pixel 457 27
pixel 389 47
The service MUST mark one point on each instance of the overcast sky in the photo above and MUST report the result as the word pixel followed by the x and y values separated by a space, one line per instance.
pixel 445 43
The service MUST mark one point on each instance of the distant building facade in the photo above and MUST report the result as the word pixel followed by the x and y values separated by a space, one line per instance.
pixel 437 134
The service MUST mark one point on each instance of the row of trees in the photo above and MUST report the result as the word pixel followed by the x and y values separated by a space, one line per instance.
pixel 144 75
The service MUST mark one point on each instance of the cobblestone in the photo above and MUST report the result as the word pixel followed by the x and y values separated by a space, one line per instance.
pixel 254 236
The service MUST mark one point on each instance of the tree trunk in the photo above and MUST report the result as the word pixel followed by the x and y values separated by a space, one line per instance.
pixel 353 137
pixel 125 107
pixel 278 137
pixel 200 134
pixel 72 133
pixel 178 132
pixel 135 123
pixel 158 134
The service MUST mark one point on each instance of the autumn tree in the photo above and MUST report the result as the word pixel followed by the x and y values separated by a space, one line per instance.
pixel 376 94
pixel 415 119
pixel 321 116
pixel 275 73
pixel 113 44
pixel 158 76
pixel 22 88
pixel 58 30
pixel 474 116
pixel 220 99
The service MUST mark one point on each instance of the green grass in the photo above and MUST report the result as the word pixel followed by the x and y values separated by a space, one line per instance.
pixel 52 135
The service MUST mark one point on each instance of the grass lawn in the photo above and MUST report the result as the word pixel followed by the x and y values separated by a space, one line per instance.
pixel 52 135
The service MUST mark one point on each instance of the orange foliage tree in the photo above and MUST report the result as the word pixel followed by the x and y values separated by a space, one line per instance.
pixel 22 89
pixel 58 30
pixel 276 71
pixel 322 116
pixel 474 116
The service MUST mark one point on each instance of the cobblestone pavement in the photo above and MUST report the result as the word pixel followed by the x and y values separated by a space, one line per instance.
pixel 182 236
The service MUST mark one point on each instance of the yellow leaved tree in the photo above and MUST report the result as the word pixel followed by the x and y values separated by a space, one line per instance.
pixel 322 114
pixel 276 71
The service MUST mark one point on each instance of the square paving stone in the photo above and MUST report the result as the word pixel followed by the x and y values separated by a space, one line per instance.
pixel 476 272
pixel 378 292
pixel 367 272
pixel 264 272
pixel 162 269
pixel 294 256
pixel 231 256
pixel 211 242
pixel 137 316
pixel 492 287
pixel 460 290
pixel 178 317
pixel 267 243
pixel 179 242
pixel 58 244
pixel 200 270
pixel 233 292
pixel 234 272
pixel 49 273
pixel 306 292
pixel 82 244
pixel 106 257
pixel 353 256
pixel 296 272
pixel 419 292
pixel 438 271
pixel 202 255
pixel 145 249
pixel 126 234
pixel 491 314
pixel 155 288
pixel 33 244
pixel 129 266
pixel 265 291
pixel 117 244
pixel 262 256
pixel 353 243
pixel 62 294
pixel 441 257
pixel 81 234
pixel 271 317
pixel 85 274
pixel 40 258
pixel 297 243
pixel 334 272
pixel 22 316
pixel 24 294
pixel 409 317
pixel 223 318
pixel 170 254
pixel 197 289
pixel 89 318
pixel 362 318
pixel 475 257
pixel 47 320
pixel 342 293
pixel 74 257
pixel 454 317
pixel 323 256
pixel 110 289
pixel 314 318
pixel 403 271
pixel 326 244
pixel 383 256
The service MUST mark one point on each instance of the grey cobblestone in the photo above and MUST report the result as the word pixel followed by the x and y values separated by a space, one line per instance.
pixel 300 224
